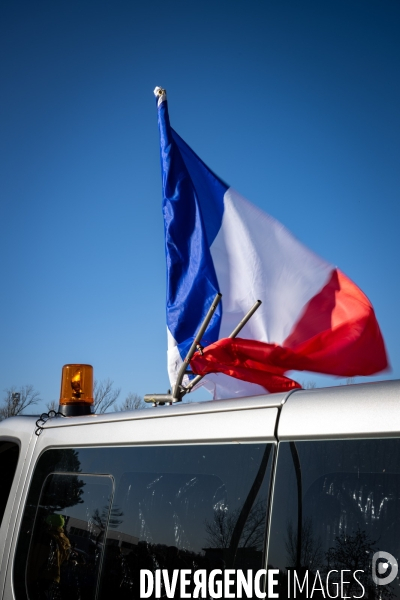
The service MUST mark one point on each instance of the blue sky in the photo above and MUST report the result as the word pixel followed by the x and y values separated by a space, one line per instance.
pixel 295 104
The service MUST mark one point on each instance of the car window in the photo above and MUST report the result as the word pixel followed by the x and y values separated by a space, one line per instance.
pixel 9 452
pixel 173 507
pixel 336 510
pixel 67 543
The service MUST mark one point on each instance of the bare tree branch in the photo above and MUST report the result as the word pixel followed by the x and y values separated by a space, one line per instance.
pixel 104 395
pixel 220 530
pixel 131 402
pixel 308 385
pixel 311 547
pixel 16 400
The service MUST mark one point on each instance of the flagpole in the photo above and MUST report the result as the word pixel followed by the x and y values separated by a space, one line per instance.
pixel 180 391
pixel 234 333
pixel 243 322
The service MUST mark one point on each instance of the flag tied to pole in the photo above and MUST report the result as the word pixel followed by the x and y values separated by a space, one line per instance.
pixel 312 316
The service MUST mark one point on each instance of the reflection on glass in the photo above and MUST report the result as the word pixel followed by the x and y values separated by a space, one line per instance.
pixel 167 507
pixel 9 453
pixel 68 537
pixel 349 503
pixel 210 517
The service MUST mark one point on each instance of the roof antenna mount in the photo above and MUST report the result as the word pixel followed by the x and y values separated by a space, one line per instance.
pixel 179 390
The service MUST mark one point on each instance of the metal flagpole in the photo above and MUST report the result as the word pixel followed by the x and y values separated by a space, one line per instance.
pixel 179 390
pixel 234 333
pixel 177 395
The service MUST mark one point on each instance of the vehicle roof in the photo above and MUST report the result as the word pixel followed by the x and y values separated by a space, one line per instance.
pixel 211 406
pixel 359 410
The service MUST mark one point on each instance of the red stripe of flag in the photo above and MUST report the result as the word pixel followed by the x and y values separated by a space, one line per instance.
pixel 337 334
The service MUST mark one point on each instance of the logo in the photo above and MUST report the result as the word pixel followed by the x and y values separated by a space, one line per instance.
pixel 384 563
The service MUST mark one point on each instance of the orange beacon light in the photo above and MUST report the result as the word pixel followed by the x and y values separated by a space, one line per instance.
pixel 76 397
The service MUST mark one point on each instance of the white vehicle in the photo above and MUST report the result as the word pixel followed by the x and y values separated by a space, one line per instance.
pixel 304 484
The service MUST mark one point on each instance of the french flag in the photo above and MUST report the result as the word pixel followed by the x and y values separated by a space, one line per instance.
pixel 312 316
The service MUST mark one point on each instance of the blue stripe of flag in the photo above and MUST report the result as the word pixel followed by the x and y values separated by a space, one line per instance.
pixel 193 208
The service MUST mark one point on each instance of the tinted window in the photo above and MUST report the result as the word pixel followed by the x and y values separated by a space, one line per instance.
pixel 67 543
pixel 8 463
pixel 174 507
pixel 336 504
